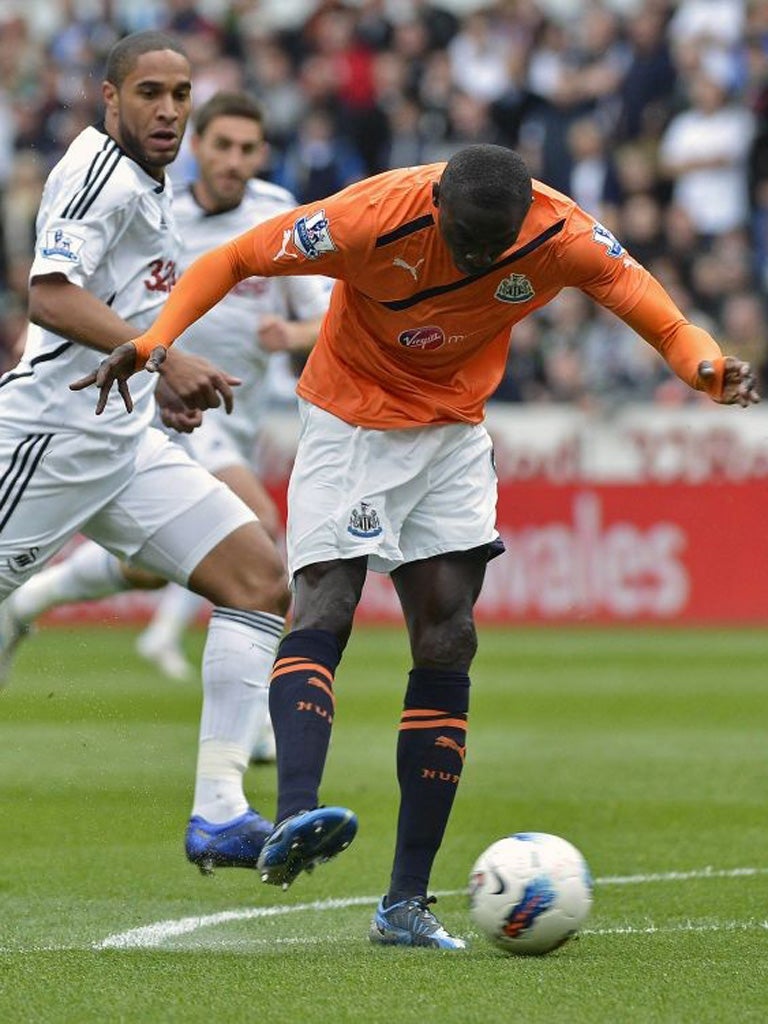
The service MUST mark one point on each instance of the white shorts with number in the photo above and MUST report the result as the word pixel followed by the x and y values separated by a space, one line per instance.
pixel 149 503
pixel 396 496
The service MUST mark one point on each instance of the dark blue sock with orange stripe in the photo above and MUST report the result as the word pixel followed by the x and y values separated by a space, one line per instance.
pixel 430 756
pixel 301 704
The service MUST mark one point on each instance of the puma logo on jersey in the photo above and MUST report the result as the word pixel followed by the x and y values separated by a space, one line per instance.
pixel 413 269
pixel 283 251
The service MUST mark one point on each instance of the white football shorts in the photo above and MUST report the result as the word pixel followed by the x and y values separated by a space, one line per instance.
pixel 149 503
pixel 213 446
pixel 396 496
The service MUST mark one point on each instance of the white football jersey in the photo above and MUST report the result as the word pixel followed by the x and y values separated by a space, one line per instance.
pixel 228 334
pixel 107 226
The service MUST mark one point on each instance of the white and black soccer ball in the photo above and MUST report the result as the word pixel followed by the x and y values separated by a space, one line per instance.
pixel 530 892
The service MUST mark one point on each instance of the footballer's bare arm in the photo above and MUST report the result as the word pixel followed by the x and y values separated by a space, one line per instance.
pixel 58 305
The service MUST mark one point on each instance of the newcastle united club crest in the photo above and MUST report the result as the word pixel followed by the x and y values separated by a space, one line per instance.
pixel 515 288
pixel 364 521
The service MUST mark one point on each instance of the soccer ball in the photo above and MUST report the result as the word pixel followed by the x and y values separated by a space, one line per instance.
pixel 529 893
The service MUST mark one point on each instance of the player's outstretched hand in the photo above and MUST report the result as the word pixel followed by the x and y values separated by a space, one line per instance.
pixel 739 382
pixel 117 368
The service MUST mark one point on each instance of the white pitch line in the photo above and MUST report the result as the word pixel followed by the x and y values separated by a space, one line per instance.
pixel 154 935
pixel 685 926
pixel 681 876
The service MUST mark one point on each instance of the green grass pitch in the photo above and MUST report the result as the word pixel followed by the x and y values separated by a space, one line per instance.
pixel 646 748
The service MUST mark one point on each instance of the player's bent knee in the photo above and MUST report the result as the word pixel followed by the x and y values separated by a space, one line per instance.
pixel 335 618
pixel 244 570
pixel 451 644
pixel 141 579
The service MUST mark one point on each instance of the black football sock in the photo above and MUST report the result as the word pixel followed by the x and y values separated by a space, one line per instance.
pixel 430 756
pixel 301 704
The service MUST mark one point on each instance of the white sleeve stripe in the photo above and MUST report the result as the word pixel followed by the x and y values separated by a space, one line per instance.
pixel 99 173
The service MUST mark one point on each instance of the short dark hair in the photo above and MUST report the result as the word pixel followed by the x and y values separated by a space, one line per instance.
pixel 126 51
pixel 227 104
pixel 488 176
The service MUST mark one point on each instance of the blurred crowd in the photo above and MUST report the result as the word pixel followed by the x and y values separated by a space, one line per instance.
pixel 652 115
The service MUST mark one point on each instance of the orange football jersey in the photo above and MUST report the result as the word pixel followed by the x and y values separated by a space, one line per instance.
pixel 409 339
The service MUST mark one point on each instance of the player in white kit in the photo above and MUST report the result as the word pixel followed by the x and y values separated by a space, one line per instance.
pixel 258 317
pixel 106 257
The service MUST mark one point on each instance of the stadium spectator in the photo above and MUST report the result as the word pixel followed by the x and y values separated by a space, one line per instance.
pixel 639 225
pixel 709 31
pixel 434 90
pixel 394 470
pixel 704 151
pixel 593 178
pixel 525 377
pixel 20 202
pixel 105 260
pixel 469 122
pixel 479 56
pixel 567 343
pixel 647 88
pixel 271 77
pixel 319 160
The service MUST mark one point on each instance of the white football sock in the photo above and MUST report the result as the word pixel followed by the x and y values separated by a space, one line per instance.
pixel 88 573
pixel 237 663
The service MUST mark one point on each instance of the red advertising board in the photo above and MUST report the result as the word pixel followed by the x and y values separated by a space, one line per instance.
pixel 654 517
pixel 613 553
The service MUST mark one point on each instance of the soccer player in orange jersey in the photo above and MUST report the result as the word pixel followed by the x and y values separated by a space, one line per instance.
pixel 394 471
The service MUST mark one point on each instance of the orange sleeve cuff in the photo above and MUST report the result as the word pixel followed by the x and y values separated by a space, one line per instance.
pixel 657 319
pixel 144 347
pixel 713 386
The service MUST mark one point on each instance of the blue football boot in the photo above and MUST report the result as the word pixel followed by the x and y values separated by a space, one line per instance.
pixel 304 840
pixel 232 844
pixel 411 923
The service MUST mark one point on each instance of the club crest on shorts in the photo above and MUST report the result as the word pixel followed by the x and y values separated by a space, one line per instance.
pixel 364 521
pixel 515 288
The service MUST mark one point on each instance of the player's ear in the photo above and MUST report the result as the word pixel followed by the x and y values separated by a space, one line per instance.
pixel 109 94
